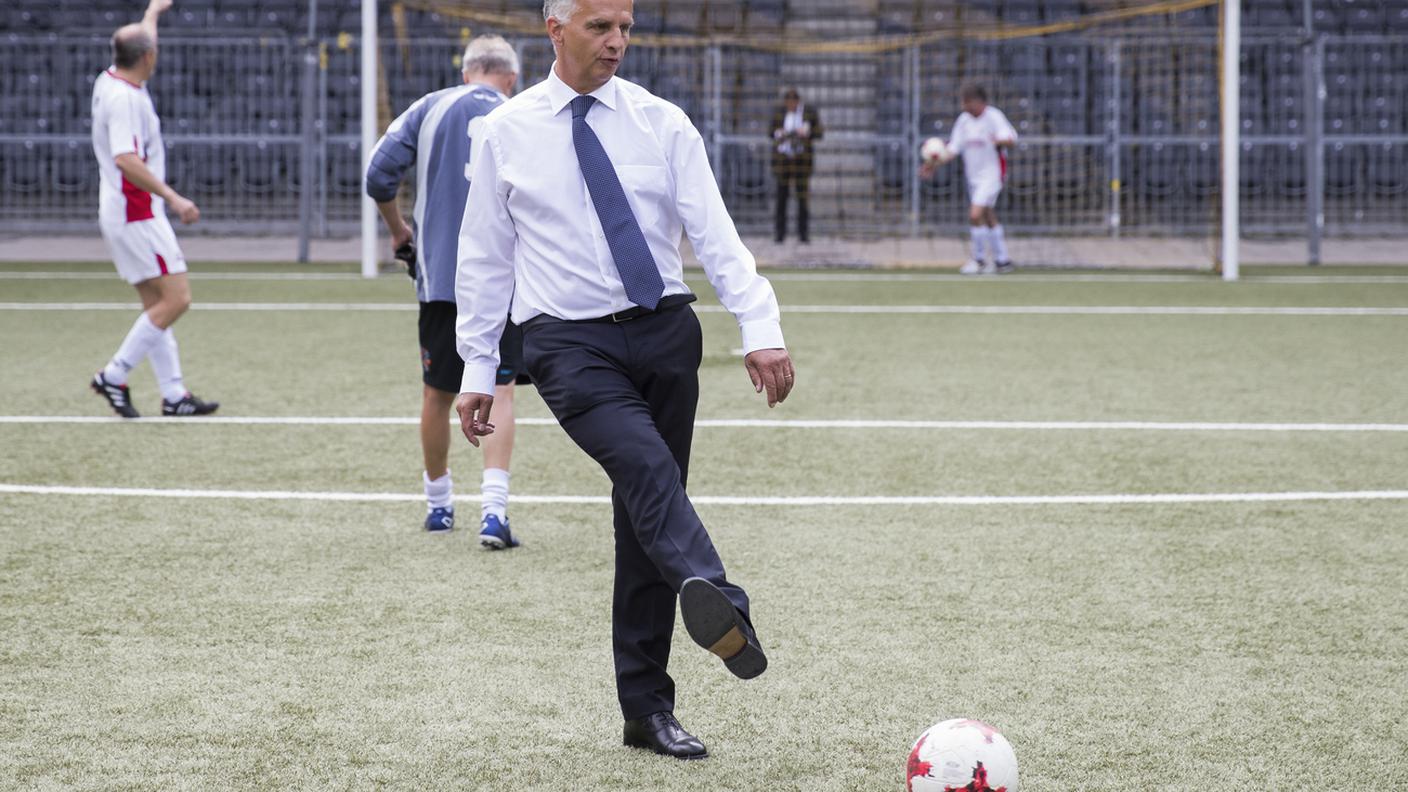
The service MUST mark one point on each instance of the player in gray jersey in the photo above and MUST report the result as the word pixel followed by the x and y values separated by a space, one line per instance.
pixel 434 136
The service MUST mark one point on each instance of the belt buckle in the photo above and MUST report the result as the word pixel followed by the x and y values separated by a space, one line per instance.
pixel 622 316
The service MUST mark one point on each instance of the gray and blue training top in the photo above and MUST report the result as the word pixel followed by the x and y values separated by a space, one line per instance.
pixel 434 135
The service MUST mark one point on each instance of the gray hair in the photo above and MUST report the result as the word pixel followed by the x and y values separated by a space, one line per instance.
pixel 489 55
pixel 129 44
pixel 562 9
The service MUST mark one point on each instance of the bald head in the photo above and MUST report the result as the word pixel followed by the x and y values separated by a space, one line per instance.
pixel 130 44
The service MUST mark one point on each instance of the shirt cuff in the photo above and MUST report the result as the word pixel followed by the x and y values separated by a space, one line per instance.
pixel 479 378
pixel 759 334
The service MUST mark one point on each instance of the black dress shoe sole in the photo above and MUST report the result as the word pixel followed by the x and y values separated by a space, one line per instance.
pixel 715 624
pixel 648 747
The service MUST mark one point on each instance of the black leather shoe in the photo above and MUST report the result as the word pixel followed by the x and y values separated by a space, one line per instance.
pixel 661 733
pixel 713 623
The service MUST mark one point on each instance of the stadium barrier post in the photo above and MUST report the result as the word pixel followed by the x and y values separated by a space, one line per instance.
pixel 913 137
pixel 306 153
pixel 1231 138
pixel 321 212
pixel 368 86
pixel 1112 138
pixel 1314 67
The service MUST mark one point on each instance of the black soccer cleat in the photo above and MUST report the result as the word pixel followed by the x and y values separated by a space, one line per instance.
pixel 188 405
pixel 1004 267
pixel 119 398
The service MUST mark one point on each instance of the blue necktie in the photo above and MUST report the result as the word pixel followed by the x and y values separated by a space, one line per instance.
pixel 637 268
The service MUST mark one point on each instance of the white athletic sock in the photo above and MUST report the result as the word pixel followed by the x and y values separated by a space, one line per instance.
pixel 495 491
pixel 439 493
pixel 999 243
pixel 166 364
pixel 980 243
pixel 139 341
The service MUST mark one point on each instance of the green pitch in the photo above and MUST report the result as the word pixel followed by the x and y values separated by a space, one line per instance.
pixel 217 643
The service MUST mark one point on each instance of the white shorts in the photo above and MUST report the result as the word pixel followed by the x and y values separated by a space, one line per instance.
pixel 984 191
pixel 145 249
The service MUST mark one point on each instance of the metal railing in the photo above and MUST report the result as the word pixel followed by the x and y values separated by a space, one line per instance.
pixel 1117 135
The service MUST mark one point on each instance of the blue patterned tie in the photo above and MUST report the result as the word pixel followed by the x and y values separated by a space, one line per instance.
pixel 637 268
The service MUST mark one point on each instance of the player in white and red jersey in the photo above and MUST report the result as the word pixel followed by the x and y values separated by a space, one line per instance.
pixel 132 200
pixel 981 135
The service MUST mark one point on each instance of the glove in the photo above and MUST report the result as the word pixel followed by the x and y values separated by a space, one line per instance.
pixel 406 254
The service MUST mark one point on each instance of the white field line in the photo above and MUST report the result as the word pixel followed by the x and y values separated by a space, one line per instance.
pixel 935 277
pixel 748 423
pixel 1030 310
pixel 808 277
pixel 210 276
pixel 732 500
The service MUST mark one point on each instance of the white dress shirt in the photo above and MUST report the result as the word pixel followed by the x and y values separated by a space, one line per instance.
pixel 531 239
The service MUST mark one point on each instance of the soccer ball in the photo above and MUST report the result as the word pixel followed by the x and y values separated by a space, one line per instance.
pixel 934 150
pixel 961 755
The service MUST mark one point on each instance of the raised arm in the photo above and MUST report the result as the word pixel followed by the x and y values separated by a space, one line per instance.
pixel 154 11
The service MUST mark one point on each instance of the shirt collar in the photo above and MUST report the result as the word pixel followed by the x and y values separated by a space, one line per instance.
pixel 560 94
pixel 489 87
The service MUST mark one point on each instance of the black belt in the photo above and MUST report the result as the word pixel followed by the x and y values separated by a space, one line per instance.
pixel 667 303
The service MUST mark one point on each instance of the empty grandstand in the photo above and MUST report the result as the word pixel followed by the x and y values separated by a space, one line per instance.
pixel 1118 115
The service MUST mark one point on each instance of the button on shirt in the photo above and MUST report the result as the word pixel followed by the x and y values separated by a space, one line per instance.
pixel 531 240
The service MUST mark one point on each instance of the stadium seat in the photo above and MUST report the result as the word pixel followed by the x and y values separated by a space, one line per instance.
pixel 1270 14
pixel 1344 169
pixel 73 172
pixel 25 164
pixel 1363 17
pixel 345 169
pixel 1388 171
pixel 262 168
pixel 1396 17
pixel 1287 175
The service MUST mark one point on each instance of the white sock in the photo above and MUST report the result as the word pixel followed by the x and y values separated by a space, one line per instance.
pixel 439 493
pixel 999 243
pixel 139 341
pixel 980 242
pixel 495 491
pixel 166 364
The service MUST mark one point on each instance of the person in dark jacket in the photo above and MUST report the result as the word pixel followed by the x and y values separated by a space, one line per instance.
pixel 795 128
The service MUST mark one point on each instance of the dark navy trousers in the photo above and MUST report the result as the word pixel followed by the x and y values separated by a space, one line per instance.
pixel 627 393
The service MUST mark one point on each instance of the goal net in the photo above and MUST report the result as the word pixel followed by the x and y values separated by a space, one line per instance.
pixel 1117 162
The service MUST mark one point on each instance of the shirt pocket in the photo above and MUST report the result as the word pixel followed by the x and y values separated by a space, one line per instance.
pixel 648 190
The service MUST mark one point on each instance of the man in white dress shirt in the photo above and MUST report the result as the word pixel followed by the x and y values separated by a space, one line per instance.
pixel 580 189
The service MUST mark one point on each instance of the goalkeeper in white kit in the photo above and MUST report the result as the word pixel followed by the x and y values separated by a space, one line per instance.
pixel 981 134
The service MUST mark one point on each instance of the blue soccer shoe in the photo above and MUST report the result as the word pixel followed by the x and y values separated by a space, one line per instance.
pixel 494 534
pixel 442 519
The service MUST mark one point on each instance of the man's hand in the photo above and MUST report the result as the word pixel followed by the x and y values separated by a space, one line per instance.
pixel 158 6
pixel 474 411
pixel 928 169
pixel 400 235
pixel 184 207
pixel 771 370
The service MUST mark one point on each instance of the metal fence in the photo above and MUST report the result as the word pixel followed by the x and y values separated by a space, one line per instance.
pixel 1117 135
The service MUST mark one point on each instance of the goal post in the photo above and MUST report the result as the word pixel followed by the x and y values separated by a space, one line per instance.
pixel 1231 136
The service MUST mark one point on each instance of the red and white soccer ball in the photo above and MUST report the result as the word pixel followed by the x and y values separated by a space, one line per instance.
pixel 934 151
pixel 961 755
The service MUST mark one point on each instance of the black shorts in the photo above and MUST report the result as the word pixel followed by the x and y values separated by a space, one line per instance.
pixel 441 367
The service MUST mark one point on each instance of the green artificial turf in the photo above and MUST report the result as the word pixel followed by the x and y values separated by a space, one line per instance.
pixel 270 644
